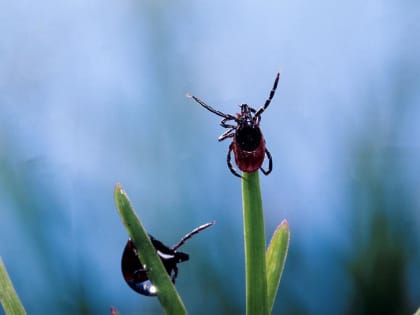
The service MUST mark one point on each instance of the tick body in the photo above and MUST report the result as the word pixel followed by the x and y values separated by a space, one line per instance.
pixel 135 273
pixel 248 144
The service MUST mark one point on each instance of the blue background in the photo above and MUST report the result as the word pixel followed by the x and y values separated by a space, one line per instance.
pixel 93 93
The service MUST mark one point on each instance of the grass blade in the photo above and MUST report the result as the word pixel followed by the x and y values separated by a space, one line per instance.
pixel 254 237
pixel 275 260
pixel 8 297
pixel 167 294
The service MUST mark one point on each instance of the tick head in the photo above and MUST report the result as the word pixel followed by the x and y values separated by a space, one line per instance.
pixel 181 257
pixel 245 118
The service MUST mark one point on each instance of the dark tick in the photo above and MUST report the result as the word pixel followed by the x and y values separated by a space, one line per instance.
pixel 135 273
pixel 248 143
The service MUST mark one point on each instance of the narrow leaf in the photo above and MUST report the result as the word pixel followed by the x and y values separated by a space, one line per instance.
pixel 166 292
pixel 254 237
pixel 275 260
pixel 8 297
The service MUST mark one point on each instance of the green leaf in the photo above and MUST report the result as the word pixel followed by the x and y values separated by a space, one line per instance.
pixel 275 259
pixel 8 297
pixel 166 292
pixel 254 238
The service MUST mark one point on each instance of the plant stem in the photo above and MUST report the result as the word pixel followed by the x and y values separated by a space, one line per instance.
pixel 254 237
pixel 8 297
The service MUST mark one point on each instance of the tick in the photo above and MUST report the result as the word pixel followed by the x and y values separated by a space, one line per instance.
pixel 248 145
pixel 135 273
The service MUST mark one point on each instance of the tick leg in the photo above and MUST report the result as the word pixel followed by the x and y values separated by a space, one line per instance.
pixel 208 107
pixel 227 134
pixel 270 163
pixel 191 234
pixel 225 125
pixel 229 163
pixel 267 102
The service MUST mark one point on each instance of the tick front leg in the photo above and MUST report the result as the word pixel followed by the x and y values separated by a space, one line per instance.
pixel 270 97
pixel 229 163
pixel 211 109
pixel 270 163
pixel 226 134
pixel 225 125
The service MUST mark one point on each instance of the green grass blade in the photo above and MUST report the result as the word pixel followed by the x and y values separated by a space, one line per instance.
pixel 167 294
pixel 8 297
pixel 275 260
pixel 254 237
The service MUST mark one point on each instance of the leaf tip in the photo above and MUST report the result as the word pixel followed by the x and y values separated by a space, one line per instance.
pixel 114 311
pixel 284 224
pixel 119 190
pixel 118 187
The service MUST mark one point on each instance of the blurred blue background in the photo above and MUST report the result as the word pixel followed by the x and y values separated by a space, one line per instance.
pixel 93 93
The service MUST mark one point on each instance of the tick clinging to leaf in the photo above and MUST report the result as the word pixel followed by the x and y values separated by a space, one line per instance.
pixel 248 145
pixel 135 274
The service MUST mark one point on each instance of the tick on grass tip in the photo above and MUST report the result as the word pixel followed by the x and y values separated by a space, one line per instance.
pixel 248 144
